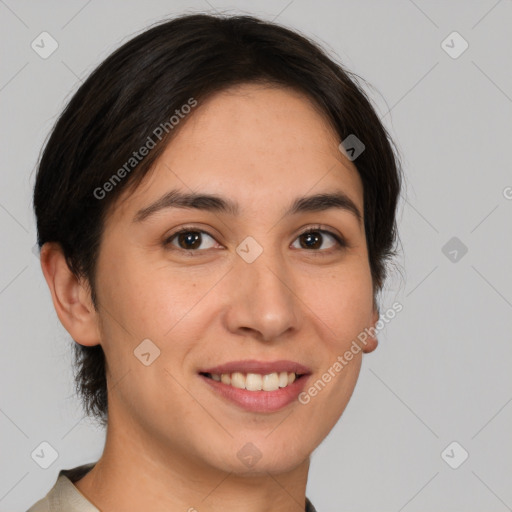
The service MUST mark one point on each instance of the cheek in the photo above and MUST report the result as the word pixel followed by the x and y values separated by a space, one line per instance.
pixel 340 306
pixel 342 303
pixel 141 304
pixel 145 299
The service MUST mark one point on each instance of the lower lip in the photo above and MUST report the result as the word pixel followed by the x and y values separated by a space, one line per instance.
pixel 259 401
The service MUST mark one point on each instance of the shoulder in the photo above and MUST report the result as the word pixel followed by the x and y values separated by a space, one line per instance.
pixel 64 496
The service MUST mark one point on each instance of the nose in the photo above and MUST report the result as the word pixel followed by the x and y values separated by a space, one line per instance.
pixel 262 300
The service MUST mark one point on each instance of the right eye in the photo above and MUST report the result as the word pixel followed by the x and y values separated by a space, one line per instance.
pixel 187 239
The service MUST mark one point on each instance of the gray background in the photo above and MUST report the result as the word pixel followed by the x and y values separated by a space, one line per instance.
pixel 441 372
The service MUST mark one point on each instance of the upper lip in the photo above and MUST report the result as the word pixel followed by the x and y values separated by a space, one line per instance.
pixel 261 367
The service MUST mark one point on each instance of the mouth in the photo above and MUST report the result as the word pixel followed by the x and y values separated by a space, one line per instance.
pixel 257 386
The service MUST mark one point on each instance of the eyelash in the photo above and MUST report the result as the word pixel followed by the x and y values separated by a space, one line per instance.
pixel 340 241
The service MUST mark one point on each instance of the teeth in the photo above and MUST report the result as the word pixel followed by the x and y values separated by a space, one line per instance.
pixel 238 380
pixel 270 382
pixel 283 379
pixel 255 381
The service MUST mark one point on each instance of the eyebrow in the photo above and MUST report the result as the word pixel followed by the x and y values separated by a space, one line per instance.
pixel 215 203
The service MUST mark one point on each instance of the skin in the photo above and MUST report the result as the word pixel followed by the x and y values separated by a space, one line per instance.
pixel 171 441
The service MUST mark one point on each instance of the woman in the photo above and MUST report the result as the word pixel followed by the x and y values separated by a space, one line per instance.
pixel 215 208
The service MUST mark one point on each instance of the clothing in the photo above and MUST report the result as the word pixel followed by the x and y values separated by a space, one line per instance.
pixel 65 497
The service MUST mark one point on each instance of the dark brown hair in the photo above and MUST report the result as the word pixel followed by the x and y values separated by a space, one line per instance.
pixel 140 87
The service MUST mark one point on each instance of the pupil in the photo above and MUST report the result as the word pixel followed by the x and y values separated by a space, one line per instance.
pixel 192 240
pixel 312 240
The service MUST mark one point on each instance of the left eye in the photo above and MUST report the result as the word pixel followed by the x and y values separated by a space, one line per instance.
pixel 313 239
pixel 190 240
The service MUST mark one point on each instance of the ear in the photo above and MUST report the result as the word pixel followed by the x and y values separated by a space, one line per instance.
pixel 71 296
pixel 372 341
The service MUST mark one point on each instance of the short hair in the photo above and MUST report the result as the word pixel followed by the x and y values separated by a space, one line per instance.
pixel 139 87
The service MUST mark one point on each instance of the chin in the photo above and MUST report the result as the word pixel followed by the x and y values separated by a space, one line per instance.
pixel 262 456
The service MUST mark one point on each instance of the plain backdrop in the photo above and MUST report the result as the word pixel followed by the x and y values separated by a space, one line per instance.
pixel 439 387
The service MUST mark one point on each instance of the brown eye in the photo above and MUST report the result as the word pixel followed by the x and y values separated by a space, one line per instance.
pixel 311 240
pixel 191 240
pixel 315 239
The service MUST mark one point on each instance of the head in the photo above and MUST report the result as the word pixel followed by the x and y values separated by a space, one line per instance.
pixel 190 138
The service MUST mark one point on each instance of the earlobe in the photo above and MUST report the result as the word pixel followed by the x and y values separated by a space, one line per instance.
pixel 71 296
pixel 372 341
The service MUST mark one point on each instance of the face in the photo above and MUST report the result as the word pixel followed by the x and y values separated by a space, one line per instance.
pixel 261 281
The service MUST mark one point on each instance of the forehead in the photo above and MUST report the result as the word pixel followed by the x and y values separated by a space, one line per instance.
pixel 252 142
pixel 255 122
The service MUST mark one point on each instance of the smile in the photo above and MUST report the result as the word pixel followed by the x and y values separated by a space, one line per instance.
pixel 257 386
pixel 255 381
